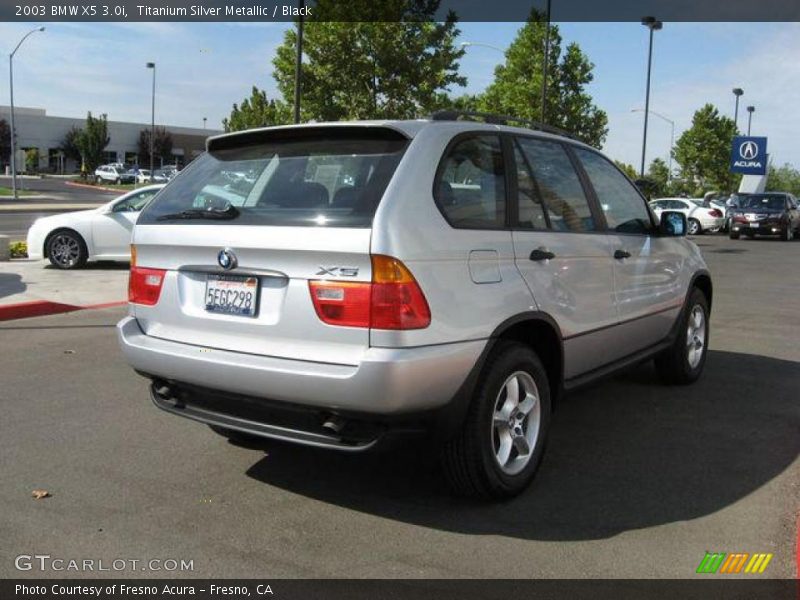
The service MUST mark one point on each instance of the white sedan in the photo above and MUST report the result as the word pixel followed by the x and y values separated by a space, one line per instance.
pixel 103 233
pixel 700 218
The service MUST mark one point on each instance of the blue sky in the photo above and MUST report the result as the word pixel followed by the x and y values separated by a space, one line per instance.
pixel 203 68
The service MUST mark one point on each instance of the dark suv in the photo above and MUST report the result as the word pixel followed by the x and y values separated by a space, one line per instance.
pixel 766 214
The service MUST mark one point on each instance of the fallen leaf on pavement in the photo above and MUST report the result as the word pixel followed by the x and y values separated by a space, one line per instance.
pixel 39 494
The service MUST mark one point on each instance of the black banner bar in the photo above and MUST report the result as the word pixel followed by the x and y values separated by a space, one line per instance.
pixel 705 588
pixel 372 10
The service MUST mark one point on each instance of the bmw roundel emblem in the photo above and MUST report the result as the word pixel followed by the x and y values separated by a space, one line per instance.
pixel 227 259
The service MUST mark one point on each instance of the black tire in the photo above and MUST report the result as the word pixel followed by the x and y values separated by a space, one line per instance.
pixel 66 249
pixel 98 179
pixel 469 460
pixel 237 437
pixel 734 235
pixel 674 365
pixel 695 224
pixel 787 234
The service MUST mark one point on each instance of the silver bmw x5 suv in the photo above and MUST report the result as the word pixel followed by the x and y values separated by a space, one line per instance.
pixel 338 284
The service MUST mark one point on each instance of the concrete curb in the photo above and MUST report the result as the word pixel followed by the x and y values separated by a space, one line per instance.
pixel 86 186
pixel 42 308
pixel 25 197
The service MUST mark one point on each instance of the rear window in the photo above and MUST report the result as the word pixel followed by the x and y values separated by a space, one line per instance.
pixel 304 177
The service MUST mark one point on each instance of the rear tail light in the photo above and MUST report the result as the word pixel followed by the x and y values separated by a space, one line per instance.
pixel 341 303
pixel 715 212
pixel 144 285
pixel 392 300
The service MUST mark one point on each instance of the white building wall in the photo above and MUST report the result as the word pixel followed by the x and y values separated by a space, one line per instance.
pixel 35 129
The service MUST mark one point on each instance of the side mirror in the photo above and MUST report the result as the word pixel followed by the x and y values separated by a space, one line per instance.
pixel 673 224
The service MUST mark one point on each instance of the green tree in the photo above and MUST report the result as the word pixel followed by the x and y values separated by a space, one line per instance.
pixel 658 174
pixel 69 144
pixel 517 86
pixel 628 169
pixel 703 151
pixel 5 142
pixel 465 102
pixel 371 60
pixel 32 160
pixel 162 146
pixel 92 141
pixel 784 179
pixel 257 111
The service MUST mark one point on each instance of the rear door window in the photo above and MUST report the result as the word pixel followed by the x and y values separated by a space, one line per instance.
pixel 561 189
pixel 332 177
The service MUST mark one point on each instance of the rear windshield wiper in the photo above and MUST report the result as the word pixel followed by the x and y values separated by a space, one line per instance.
pixel 231 212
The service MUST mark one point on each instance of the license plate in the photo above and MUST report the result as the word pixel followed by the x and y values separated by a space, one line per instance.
pixel 754 224
pixel 232 295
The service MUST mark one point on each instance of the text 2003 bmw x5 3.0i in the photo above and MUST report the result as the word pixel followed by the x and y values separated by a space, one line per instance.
pixel 335 284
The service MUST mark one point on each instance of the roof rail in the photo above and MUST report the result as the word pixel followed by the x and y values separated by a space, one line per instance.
pixel 464 115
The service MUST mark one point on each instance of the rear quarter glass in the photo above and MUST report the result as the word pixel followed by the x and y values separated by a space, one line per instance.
pixel 315 177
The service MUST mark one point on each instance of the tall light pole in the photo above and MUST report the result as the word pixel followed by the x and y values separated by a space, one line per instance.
pixel 546 60
pixel 298 64
pixel 672 135
pixel 11 93
pixel 653 25
pixel 152 65
pixel 737 92
pixel 204 122
pixel 751 110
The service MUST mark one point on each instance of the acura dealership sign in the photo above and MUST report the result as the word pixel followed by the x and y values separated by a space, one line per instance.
pixel 749 155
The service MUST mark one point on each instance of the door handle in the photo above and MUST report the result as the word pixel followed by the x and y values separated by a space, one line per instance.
pixel 620 254
pixel 541 254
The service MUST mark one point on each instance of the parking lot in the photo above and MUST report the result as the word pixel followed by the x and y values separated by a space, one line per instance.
pixel 639 480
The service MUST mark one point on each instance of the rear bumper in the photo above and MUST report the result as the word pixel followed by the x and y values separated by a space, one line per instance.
pixel 712 223
pixel 387 381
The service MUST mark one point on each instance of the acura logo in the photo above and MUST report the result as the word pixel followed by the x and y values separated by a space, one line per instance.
pixel 748 150
pixel 227 259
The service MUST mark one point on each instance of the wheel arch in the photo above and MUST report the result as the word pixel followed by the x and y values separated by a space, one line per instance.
pixel 535 329
pixel 702 281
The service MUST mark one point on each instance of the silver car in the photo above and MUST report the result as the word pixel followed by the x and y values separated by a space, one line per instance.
pixel 372 279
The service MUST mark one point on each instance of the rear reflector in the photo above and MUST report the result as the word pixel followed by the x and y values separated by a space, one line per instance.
pixel 144 285
pixel 392 300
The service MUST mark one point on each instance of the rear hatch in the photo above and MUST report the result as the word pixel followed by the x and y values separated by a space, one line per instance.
pixel 235 239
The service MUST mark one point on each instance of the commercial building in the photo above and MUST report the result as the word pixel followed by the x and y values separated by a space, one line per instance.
pixel 38 130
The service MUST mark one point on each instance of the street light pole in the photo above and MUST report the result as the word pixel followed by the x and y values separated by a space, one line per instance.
pixel 13 129
pixel 152 65
pixel 298 65
pixel 737 92
pixel 672 134
pixel 653 25
pixel 546 64
pixel 751 110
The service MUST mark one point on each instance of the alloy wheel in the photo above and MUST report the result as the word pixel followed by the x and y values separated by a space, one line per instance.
pixel 516 422
pixel 696 336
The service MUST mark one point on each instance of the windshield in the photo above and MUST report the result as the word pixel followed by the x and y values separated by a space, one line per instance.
pixel 332 179
pixel 763 201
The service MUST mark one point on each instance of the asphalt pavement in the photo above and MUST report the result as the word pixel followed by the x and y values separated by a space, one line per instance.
pixel 639 479
pixel 53 196
pixel 56 190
